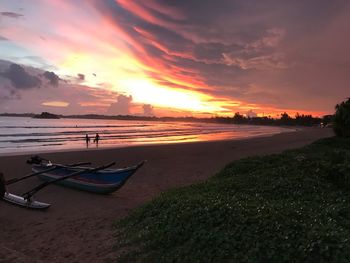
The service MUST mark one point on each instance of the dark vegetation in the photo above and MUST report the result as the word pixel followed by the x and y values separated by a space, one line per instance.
pixel 289 207
pixel 46 115
pixel 342 119
pixel 285 119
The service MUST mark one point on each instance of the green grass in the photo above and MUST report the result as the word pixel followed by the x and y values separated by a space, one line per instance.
pixel 289 207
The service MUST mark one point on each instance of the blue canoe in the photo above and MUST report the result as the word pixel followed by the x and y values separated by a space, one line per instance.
pixel 102 182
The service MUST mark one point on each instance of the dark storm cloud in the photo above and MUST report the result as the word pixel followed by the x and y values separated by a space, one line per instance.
pixel 20 78
pixel 52 78
pixel 11 14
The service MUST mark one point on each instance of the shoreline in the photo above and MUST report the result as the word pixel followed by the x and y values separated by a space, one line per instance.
pixel 78 225
pixel 94 148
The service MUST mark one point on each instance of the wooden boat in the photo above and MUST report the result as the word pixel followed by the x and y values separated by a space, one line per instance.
pixel 97 180
pixel 102 181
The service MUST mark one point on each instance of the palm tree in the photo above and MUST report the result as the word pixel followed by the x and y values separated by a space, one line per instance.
pixel 342 119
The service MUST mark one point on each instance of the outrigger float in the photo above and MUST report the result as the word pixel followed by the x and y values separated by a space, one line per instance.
pixel 97 180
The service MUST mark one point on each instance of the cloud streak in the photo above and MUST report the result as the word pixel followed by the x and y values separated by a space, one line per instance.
pixel 11 14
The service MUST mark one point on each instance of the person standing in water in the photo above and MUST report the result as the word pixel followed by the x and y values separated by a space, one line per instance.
pixel 87 139
pixel 97 138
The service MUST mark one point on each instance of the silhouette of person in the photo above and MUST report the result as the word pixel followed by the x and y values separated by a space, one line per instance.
pixel 87 139
pixel 97 138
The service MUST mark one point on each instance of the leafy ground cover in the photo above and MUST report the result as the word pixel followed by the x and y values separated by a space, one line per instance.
pixel 288 207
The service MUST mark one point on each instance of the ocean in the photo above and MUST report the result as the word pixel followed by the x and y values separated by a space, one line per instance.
pixel 27 135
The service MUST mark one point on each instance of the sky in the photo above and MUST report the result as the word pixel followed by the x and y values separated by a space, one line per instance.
pixel 199 58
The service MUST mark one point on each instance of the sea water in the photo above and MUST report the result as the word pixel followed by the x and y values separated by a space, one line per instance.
pixel 29 135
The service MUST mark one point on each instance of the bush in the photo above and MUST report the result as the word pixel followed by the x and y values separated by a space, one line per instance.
pixel 342 119
pixel 288 207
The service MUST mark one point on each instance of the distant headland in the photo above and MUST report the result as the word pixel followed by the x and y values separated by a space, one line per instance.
pixel 46 115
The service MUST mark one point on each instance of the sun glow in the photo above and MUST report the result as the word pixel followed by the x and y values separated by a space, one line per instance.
pixel 127 76
pixel 104 69
pixel 144 91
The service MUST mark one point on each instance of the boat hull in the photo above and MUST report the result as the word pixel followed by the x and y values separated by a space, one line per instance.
pixel 19 200
pixel 101 182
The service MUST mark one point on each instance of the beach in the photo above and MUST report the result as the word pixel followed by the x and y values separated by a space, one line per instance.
pixel 78 225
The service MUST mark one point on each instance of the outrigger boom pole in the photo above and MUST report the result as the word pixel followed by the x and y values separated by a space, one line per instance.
pixel 54 167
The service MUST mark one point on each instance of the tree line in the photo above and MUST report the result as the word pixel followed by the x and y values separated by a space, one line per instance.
pixel 285 119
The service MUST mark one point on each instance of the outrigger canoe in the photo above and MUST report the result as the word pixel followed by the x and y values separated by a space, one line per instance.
pixel 102 182
pixel 97 180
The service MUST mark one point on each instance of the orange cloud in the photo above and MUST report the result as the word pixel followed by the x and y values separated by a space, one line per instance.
pixel 141 11
pixel 55 104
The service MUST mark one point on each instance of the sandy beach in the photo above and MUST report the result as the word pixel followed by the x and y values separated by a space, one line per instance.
pixel 78 225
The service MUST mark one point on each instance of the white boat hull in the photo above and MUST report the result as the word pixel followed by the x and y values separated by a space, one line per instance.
pixel 19 200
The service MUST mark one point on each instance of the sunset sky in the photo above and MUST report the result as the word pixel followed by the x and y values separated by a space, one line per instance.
pixel 174 58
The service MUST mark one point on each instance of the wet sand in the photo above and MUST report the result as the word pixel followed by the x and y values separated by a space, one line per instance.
pixel 78 225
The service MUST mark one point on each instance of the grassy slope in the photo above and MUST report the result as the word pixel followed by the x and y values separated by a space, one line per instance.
pixel 293 206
